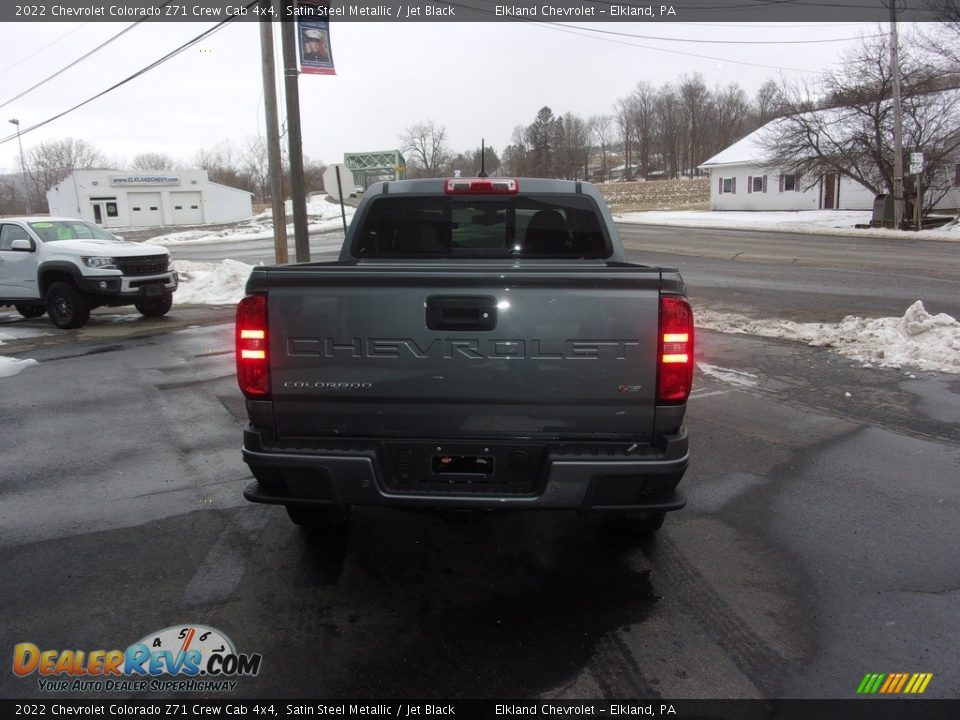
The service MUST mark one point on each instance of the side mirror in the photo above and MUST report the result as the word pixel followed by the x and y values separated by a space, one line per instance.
pixel 22 245
pixel 119 237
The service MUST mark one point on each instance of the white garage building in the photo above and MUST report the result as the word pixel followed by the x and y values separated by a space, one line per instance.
pixel 139 198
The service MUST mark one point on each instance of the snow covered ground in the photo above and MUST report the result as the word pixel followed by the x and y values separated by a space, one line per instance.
pixel 211 283
pixel 816 222
pixel 322 216
pixel 11 366
pixel 917 339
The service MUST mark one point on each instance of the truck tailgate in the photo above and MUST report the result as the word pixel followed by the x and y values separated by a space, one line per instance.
pixel 444 351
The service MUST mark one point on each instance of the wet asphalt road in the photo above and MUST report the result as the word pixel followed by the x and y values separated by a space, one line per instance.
pixel 819 542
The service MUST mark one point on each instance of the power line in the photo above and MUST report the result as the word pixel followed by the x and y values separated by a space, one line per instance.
pixel 40 50
pixel 148 68
pixel 714 42
pixel 71 64
pixel 553 26
pixel 79 59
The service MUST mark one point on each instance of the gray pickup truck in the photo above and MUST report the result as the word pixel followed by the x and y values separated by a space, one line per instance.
pixel 481 344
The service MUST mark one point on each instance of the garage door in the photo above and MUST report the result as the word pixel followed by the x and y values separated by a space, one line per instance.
pixel 186 208
pixel 145 209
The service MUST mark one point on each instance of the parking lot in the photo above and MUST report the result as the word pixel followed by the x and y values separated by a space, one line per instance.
pixel 818 544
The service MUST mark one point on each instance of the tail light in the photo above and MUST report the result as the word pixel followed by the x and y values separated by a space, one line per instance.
pixel 483 186
pixel 675 356
pixel 253 370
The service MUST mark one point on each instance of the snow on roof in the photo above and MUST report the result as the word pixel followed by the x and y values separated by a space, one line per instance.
pixel 746 150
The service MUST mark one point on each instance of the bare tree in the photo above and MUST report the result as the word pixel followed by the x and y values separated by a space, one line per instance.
pixel 573 147
pixel 11 197
pixel 224 166
pixel 313 175
pixel 623 113
pixel 768 103
pixel 844 124
pixel 670 132
pixel 942 39
pixel 426 148
pixel 256 164
pixel 601 126
pixel 153 161
pixel 731 111
pixel 642 106
pixel 50 162
pixel 694 102
pixel 515 154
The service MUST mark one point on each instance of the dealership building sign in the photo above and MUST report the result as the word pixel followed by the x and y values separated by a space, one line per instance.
pixel 144 180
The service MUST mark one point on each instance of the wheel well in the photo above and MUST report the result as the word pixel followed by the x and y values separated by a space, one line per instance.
pixel 49 277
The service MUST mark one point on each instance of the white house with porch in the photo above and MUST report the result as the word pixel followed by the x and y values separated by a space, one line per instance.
pixel 739 180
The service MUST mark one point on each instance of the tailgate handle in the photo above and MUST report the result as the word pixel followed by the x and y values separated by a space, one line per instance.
pixel 461 312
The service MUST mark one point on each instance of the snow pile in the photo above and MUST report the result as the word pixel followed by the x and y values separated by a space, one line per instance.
pixel 11 366
pixel 918 339
pixel 209 283
pixel 322 216
pixel 815 222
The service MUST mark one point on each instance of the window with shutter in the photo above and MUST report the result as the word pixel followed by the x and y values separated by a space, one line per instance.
pixel 749 184
pixel 764 183
pixel 734 186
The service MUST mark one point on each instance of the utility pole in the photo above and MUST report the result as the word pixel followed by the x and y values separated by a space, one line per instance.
pixel 273 134
pixel 298 195
pixel 898 208
pixel 23 166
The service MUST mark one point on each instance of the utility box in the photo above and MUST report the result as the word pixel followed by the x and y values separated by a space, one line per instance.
pixel 883 210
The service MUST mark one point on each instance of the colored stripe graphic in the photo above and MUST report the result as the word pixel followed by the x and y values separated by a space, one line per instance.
pixel 894 683
pixel 903 681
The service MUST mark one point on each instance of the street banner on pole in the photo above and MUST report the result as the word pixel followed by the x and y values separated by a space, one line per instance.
pixel 313 35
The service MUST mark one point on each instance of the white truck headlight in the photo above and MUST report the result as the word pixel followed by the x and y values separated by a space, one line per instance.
pixel 100 262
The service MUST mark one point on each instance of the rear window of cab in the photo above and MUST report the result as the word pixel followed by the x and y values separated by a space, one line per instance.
pixel 561 226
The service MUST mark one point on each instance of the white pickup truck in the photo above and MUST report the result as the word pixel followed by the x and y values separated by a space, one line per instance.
pixel 67 267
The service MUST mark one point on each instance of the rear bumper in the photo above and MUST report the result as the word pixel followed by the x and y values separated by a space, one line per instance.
pixel 586 477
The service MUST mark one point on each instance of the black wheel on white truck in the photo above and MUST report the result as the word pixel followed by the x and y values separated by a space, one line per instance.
pixel 67 306
pixel 30 310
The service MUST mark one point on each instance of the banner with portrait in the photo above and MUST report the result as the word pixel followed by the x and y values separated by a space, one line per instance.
pixel 313 38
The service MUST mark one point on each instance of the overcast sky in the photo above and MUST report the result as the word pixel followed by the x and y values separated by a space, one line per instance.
pixel 479 80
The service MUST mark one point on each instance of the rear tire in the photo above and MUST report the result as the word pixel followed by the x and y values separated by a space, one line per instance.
pixel 317 519
pixel 155 307
pixel 637 524
pixel 30 310
pixel 648 524
pixel 67 307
